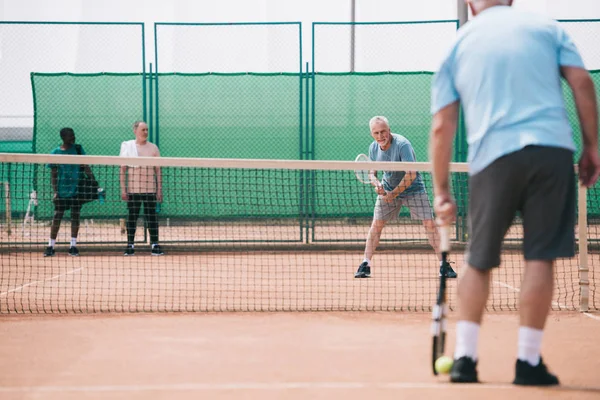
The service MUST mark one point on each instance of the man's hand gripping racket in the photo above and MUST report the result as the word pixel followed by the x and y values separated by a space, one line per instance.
pixel 364 175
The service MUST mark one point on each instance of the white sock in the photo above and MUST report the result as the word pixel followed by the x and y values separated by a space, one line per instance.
pixel 367 261
pixel 467 338
pixel 530 344
pixel 52 242
pixel 73 241
pixel 154 245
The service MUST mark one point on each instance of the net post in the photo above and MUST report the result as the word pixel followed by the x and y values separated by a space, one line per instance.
pixel 7 207
pixel 584 283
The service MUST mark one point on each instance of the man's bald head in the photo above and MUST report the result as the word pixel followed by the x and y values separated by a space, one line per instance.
pixel 478 6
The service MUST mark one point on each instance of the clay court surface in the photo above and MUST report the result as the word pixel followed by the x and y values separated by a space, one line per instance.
pixel 120 340
pixel 275 356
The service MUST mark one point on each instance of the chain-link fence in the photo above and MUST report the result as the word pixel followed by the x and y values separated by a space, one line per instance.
pixel 367 69
pixel 253 115
pixel 59 49
pixel 100 108
pixel 228 90
pixel 259 102
pixel 582 32
pixel 51 47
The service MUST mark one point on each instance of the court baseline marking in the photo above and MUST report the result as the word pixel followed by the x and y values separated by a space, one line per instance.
pixel 18 288
pixel 248 386
pixel 277 386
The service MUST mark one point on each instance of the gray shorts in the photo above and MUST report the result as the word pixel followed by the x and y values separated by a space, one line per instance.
pixel 418 204
pixel 539 183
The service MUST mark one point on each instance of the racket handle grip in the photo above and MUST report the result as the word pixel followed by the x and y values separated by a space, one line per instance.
pixel 444 238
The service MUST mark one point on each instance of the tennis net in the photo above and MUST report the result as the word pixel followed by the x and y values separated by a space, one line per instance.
pixel 242 235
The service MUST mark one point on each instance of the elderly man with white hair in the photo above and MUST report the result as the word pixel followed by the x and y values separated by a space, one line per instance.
pixel 395 190
pixel 505 70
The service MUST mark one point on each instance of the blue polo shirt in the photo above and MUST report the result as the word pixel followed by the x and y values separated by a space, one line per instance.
pixel 504 67
pixel 400 150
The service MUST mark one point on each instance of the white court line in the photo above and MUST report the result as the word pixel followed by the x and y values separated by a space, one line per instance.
pixel 249 386
pixel 41 281
pixel 506 285
pixel 592 316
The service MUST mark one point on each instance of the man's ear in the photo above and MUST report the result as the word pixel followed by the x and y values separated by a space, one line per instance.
pixel 472 7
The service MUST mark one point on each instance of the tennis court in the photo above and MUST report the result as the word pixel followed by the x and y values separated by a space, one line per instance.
pixel 263 304
pixel 256 296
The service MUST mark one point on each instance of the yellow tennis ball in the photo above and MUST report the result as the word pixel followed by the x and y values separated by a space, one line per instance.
pixel 443 364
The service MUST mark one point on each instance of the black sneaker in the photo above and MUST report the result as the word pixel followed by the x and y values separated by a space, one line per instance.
pixel 447 269
pixel 156 251
pixel 73 251
pixel 363 271
pixel 464 370
pixel 49 251
pixel 528 375
pixel 129 251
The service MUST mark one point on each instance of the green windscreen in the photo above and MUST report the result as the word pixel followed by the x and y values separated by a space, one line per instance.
pixel 594 193
pixel 243 116
pixel 16 146
pixel 200 115
pixel 229 115
pixel 345 102
pixel 101 108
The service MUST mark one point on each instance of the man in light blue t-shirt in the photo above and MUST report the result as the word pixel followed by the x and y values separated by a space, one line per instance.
pixel 505 70
pixel 396 189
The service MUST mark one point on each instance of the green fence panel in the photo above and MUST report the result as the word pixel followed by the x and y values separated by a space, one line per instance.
pixel 49 46
pixel 253 48
pixel 593 193
pixel 345 102
pixel 192 194
pixel 16 146
pixel 20 180
pixel 230 115
pixel 100 108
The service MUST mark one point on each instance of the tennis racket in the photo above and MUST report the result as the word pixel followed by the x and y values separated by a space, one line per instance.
pixel 438 324
pixel 362 174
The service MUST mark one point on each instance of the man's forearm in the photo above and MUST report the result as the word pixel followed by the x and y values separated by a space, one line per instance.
pixel 405 183
pixel 54 181
pixel 587 110
pixel 440 146
pixel 158 179
pixel 88 171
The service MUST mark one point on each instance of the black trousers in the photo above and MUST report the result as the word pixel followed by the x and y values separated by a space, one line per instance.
pixel 134 205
